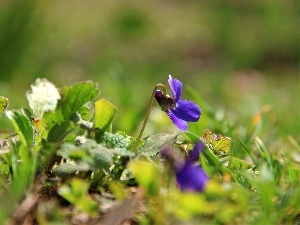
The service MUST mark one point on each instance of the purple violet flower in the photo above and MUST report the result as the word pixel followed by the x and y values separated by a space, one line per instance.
pixel 189 174
pixel 198 148
pixel 179 111
pixel 191 177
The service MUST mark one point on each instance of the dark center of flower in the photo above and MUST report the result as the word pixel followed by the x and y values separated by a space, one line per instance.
pixel 167 102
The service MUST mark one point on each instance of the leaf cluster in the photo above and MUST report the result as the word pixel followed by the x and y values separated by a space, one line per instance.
pixel 64 153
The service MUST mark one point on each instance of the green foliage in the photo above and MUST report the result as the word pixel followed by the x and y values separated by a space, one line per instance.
pixel 77 194
pixel 21 160
pixel 23 127
pixel 81 166
pixel 156 143
pixel 69 159
pixel 74 97
pixel 104 113
pixel 147 175
pixel 3 104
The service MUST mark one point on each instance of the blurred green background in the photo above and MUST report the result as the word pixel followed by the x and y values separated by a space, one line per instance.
pixel 238 56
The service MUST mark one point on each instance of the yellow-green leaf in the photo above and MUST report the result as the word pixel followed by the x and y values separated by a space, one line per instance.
pixel 147 175
pixel 3 104
pixel 104 113
pixel 220 145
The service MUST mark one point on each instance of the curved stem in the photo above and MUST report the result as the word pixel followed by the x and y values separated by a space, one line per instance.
pixel 159 85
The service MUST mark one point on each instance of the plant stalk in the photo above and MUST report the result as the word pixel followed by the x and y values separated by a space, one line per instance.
pixel 159 85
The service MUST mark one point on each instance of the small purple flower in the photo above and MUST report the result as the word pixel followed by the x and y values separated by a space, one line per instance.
pixel 189 174
pixel 180 111
pixel 191 177
pixel 198 148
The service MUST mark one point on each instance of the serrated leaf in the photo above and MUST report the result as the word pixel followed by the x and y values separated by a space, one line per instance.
pixel 22 125
pixel 3 104
pixel 74 97
pixel 220 145
pixel 104 113
pixel 114 140
pixel 129 139
pixel 154 144
pixel 43 97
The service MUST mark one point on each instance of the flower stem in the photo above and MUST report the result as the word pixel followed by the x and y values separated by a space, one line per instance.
pixel 159 85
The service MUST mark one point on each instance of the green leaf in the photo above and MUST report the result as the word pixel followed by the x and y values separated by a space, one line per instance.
pixel 4 169
pixel 77 194
pixel 96 155
pixel 50 119
pixel 74 97
pixel 66 150
pixel 102 157
pixel 147 175
pixel 104 113
pixel 43 97
pixel 114 140
pixel 3 104
pixel 189 204
pixel 154 144
pixel 70 169
pixel 240 164
pixel 265 154
pixel 249 153
pixel 58 132
pixel 85 113
pixel 122 152
pixel 22 125
pixel 207 155
pixel 220 145
pixel 23 162
pixel 192 137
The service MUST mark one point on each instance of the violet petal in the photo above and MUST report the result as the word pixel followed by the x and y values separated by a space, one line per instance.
pixel 198 148
pixel 176 87
pixel 191 177
pixel 187 110
pixel 181 124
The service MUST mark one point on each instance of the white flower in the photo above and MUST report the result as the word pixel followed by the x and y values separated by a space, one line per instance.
pixel 43 97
